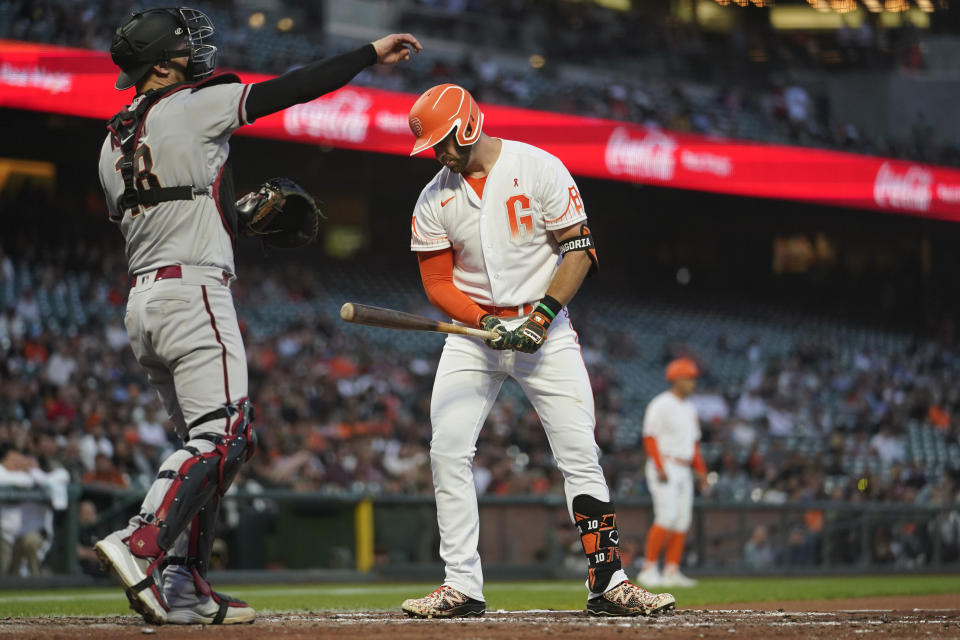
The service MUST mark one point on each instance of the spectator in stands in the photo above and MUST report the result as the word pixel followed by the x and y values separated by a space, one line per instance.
pixel 750 406
pixel 758 551
pixel 799 551
pixel 888 447
pixel 95 442
pixel 26 528
pixel 90 534
pixel 105 474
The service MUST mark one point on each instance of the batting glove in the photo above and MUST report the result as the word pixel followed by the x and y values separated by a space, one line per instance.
pixel 531 335
pixel 491 322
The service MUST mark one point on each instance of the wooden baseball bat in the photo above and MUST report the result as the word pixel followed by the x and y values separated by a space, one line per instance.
pixel 392 319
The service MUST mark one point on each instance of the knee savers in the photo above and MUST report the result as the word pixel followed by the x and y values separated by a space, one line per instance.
pixel 597 524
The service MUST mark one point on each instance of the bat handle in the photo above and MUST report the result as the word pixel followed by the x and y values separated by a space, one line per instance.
pixel 481 333
pixel 449 327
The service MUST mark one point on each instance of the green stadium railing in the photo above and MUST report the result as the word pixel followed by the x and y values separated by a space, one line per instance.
pixel 395 536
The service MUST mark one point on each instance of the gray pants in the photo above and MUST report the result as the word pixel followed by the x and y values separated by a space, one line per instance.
pixel 184 333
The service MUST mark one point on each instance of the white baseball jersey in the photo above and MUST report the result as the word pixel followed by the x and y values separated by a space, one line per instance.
pixel 183 142
pixel 673 422
pixel 505 252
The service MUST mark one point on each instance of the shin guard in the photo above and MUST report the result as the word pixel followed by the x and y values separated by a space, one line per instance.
pixel 597 524
pixel 197 474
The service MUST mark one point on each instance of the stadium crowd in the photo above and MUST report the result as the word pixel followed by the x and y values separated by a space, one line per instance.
pixel 337 413
pixel 743 85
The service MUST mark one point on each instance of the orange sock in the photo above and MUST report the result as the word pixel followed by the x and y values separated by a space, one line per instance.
pixel 675 547
pixel 655 539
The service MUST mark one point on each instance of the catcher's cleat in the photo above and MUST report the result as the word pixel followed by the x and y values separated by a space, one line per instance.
pixel 137 576
pixel 193 601
pixel 445 602
pixel 627 599
pixel 214 609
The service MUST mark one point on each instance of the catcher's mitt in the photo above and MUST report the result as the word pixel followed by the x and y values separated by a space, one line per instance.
pixel 280 213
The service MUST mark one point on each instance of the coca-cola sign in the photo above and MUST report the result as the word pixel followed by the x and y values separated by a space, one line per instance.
pixel 650 156
pixel 341 116
pixel 911 190
pixel 42 77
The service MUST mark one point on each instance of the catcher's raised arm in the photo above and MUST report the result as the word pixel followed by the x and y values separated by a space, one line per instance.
pixel 280 213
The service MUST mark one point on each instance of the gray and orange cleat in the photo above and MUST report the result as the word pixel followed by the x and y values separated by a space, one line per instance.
pixel 627 599
pixel 445 602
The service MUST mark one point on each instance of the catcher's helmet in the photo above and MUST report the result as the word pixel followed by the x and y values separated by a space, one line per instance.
pixel 157 35
pixel 441 109
pixel 682 368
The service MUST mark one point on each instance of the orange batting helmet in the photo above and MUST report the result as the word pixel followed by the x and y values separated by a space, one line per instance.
pixel 441 109
pixel 682 368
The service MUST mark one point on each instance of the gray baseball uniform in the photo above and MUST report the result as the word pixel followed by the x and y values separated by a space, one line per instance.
pixel 180 316
pixel 165 173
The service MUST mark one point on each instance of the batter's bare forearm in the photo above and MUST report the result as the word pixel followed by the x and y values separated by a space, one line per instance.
pixel 569 276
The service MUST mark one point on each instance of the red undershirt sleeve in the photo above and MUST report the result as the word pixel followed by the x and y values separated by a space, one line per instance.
pixel 698 463
pixel 650 446
pixel 436 271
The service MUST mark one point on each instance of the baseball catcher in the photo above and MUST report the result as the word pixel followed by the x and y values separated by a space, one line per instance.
pixel 165 172
pixel 280 213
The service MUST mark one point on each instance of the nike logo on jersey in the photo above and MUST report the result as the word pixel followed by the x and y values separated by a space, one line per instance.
pixel 443 203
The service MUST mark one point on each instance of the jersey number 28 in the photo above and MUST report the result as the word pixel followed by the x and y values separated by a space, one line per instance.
pixel 142 172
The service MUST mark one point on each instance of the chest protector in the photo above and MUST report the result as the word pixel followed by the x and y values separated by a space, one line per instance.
pixel 125 130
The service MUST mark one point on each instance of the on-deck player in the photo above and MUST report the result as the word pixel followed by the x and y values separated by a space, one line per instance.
pixel 671 438
pixel 501 238
pixel 164 169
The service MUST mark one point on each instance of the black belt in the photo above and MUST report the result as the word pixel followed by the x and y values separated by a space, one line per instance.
pixel 150 197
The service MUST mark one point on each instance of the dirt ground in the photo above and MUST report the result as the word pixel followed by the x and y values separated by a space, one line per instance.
pixel 890 617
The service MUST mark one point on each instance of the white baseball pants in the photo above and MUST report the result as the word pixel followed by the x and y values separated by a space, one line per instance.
pixel 468 380
pixel 673 499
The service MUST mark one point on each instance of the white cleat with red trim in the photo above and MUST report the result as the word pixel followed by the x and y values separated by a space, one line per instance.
pixel 142 591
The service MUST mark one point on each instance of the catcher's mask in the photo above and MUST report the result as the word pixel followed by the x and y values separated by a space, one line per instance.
pixel 159 35
pixel 440 110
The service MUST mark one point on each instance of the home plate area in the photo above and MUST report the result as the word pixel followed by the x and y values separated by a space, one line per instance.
pixel 685 623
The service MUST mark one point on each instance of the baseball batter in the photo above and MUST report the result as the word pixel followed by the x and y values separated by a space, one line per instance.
pixel 671 439
pixel 502 242
pixel 164 169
